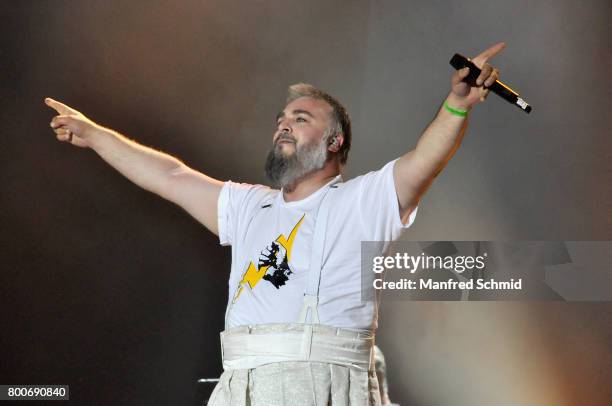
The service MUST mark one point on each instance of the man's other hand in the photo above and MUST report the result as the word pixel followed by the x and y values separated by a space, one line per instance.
pixel 466 96
pixel 70 125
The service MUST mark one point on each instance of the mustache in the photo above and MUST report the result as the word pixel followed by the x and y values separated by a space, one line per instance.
pixel 284 137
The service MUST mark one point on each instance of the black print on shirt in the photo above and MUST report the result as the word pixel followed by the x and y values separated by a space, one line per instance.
pixel 276 263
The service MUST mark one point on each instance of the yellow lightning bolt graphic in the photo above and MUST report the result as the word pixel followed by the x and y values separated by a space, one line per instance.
pixel 253 275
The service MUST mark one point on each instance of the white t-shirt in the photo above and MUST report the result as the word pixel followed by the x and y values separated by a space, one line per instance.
pixel 271 241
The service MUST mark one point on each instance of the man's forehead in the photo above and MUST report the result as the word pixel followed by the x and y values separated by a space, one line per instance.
pixel 307 105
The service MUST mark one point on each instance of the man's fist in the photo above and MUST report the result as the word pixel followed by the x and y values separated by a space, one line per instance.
pixel 70 125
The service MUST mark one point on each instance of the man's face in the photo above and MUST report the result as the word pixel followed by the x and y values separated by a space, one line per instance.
pixel 299 145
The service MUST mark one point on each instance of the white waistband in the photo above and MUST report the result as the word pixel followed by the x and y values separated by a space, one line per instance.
pixel 248 347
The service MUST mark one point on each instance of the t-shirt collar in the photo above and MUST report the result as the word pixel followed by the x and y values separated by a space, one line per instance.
pixel 310 197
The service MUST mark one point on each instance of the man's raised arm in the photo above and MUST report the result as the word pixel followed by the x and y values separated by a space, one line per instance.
pixel 415 171
pixel 152 170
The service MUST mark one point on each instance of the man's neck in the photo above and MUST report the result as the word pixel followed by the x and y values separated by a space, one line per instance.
pixel 307 185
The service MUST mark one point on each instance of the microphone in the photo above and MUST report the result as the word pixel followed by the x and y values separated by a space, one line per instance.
pixel 459 61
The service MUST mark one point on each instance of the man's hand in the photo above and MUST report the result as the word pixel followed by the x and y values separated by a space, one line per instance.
pixel 70 125
pixel 465 96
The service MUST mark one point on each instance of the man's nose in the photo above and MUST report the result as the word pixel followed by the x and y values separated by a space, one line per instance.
pixel 284 127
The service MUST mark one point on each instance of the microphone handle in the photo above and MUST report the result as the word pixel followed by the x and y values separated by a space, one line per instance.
pixel 459 61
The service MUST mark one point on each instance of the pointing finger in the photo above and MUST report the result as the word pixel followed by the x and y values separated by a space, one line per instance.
pixel 489 53
pixel 59 107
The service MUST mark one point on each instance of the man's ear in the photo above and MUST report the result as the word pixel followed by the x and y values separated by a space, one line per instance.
pixel 335 142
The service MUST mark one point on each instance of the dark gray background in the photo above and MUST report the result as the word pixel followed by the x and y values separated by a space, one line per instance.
pixel 121 295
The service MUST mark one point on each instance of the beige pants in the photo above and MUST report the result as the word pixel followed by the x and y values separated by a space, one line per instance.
pixel 296 383
pixel 265 366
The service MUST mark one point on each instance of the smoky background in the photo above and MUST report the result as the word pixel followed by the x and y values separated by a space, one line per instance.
pixel 122 295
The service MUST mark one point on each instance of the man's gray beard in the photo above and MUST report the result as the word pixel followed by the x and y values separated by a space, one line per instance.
pixel 284 170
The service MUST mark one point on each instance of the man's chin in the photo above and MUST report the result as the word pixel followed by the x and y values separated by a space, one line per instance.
pixel 286 147
pixel 284 154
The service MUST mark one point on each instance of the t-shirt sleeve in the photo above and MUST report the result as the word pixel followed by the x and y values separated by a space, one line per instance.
pixel 379 207
pixel 232 202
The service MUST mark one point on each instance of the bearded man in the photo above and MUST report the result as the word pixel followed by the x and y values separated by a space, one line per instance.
pixel 298 329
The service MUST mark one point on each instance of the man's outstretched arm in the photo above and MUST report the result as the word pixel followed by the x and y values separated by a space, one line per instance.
pixel 152 170
pixel 415 171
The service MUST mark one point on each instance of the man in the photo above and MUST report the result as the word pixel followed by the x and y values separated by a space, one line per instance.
pixel 297 328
